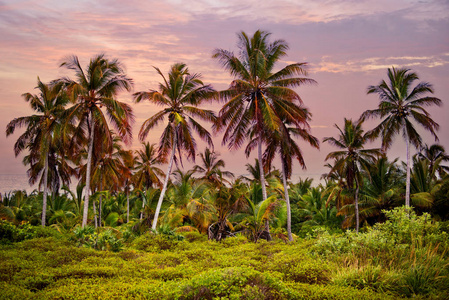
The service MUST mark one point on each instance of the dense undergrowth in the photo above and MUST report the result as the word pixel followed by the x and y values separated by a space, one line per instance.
pixel 404 257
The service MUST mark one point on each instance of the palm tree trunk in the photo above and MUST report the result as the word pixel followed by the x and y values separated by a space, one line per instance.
pixel 95 213
pixel 101 201
pixel 143 206
pixel 262 183
pixel 167 177
pixel 287 201
pixel 357 220
pixel 407 183
pixel 262 174
pixel 89 163
pixel 127 202
pixel 44 200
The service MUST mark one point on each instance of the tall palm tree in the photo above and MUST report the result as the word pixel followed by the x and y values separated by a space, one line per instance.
pixel 282 142
pixel 258 97
pixel 181 94
pixel 352 155
pixel 94 91
pixel 400 106
pixel 41 134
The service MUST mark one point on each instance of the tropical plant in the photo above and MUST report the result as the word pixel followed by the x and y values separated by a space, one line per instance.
pixel 435 155
pixel 211 168
pixel 94 91
pixel 181 93
pixel 147 172
pixel 258 98
pixel 382 189
pixel 282 142
pixel 43 131
pixel 352 155
pixel 313 208
pixel 400 106
pixel 253 217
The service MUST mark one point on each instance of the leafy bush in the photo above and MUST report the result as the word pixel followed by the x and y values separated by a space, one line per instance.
pixel 152 242
pixel 104 239
pixel 10 233
pixel 235 283
pixel 406 255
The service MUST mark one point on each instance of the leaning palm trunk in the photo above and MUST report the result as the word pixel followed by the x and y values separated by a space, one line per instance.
pixel 357 220
pixel 89 163
pixel 164 188
pixel 407 183
pixel 44 200
pixel 287 201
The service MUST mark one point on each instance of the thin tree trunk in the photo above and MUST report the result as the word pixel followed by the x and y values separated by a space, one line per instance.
pixel 357 220
pixel 262 174
pixel 164 188
pixel 407 183
pixel 143 207
pixel 287 201
pixel 44 200
pixel 89 163
pixel 101 201
pixel 262 183
pixel 95 213
pixel 127 202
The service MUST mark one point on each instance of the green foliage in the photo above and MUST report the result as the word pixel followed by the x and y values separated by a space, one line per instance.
pixel 102 239
pixel 406 255
pixel 235 283
pixel 151 242
pixel 10 233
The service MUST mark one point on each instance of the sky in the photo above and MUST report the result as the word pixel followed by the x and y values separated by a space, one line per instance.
pixel 348 45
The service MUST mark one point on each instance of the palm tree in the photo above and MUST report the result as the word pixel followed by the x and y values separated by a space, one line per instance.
pixel 382 189
pixel 42 132
pixel 146 171
pixel 94 92
pixel 181 94
pixel 258 98
pixel 211 168
pixel 400 106
pixel 352 155
pixel 282 142
pixel 435 155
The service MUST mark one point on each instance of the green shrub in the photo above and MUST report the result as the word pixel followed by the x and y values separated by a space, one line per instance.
pixel 152 242
pixel 234 283
pixel 100 239
pixel 10 233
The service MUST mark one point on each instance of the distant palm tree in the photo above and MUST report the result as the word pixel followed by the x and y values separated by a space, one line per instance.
pixel 352 155
pixel 43 130
pixel 258 97
pixel 94 91
pixel 400 106
pixel 181 94
pixel 147 172
pixel 282 142
pixel 435 155
pixel 211 168
pixel 382 189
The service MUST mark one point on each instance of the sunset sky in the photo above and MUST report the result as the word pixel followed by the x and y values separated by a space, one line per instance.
pixel 348 44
